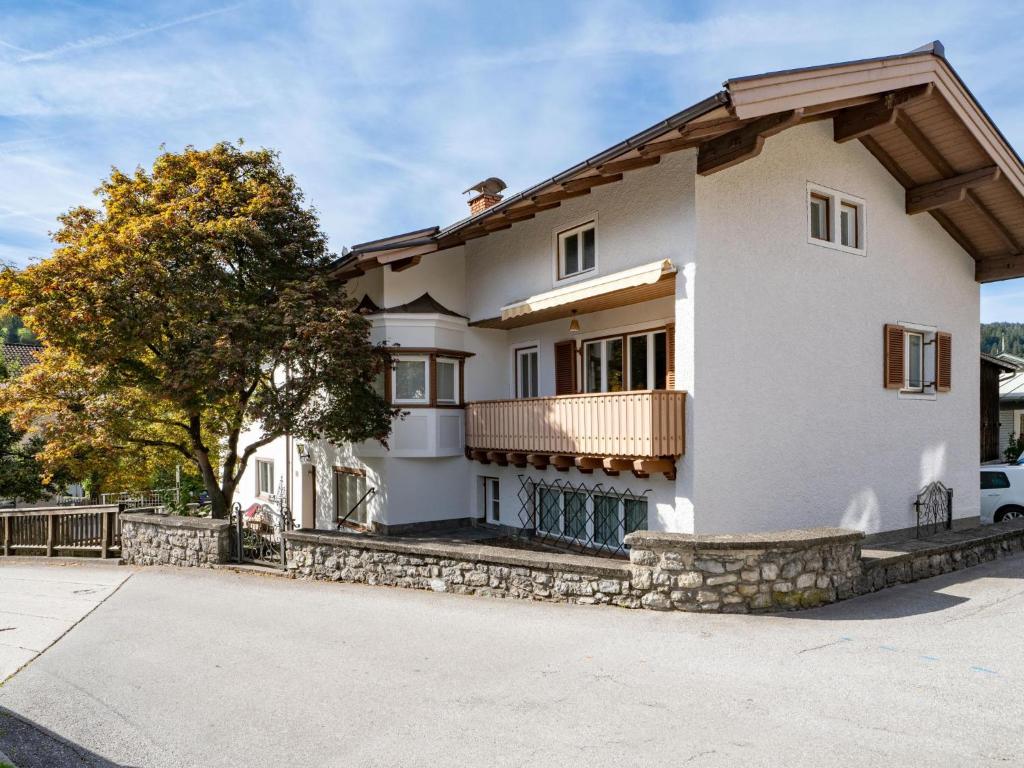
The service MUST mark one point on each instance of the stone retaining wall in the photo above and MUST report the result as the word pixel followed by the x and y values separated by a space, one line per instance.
pixel 789 569
pixel 461 568
pixel 150 539
pixel 748 572
pixel 944 553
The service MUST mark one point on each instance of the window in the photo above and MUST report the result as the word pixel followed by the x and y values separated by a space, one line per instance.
pixel 848 227
pixel 596 518
pixel 918 360
pixel 447 382
pixel 835 219
pixel 350 496
pixel 648 360
pixel 994 480
pixel 526 372
pixel 602 365
pixel 492 499
pixel 410 380
pixel 577 250
pixel 914 356
pixel 820 217
pixel 264 477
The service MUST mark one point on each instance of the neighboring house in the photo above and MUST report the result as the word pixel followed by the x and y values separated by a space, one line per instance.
pixel 19 356
pixel 571 349
pixel 1011 400
pixel 993 439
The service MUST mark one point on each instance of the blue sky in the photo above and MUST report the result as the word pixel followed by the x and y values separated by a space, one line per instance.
pixel 386 111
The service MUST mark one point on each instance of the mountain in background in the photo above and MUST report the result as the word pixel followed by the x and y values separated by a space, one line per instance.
pixel 1002 337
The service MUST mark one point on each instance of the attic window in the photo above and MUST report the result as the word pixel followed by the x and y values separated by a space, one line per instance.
pixel 835 219
pixel 577 250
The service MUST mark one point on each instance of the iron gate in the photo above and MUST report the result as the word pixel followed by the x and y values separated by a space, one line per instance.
pixel 934 507
pixel 257 534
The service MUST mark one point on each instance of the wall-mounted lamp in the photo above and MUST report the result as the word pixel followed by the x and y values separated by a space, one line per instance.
pixel 574 324
pixel 303 450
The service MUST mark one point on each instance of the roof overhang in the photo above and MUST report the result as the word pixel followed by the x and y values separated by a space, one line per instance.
pixel 911 111
pixel 631 286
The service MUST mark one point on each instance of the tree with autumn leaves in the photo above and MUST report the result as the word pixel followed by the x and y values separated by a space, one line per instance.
pixel 194 302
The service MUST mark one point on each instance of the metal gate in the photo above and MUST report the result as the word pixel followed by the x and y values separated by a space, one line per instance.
pixel 257 534
pixel 934 508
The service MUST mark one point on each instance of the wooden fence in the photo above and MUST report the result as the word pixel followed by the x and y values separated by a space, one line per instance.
pixel 57 530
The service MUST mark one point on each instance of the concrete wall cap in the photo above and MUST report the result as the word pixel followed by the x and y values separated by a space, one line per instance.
pixel 524 558
pixel 797 538
pixel 175 521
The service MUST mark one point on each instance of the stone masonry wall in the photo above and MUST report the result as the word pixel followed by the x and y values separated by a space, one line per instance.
pixel 741 573
pixel 462 569
pixel 150 539
pixel 791 569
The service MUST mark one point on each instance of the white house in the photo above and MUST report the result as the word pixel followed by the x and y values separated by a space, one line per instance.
pixel 747 317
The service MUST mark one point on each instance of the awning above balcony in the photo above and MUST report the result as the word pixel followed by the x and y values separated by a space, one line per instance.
pixel 631 286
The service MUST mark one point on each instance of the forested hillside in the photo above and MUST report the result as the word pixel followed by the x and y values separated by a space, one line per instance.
pixel 995 335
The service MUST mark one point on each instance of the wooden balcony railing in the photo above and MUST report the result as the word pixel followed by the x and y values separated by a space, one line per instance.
pixel 642 431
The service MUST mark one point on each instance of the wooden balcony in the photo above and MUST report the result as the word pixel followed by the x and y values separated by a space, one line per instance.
pixel 640 432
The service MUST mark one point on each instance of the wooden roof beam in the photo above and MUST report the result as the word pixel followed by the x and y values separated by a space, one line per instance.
pixel 744 143
pixel 999 268
pixel 589 182
pixel 629 164
pixel 557 196
pixel 928 197
pixel 857 122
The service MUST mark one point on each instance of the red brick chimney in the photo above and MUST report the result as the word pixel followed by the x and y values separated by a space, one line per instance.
pixel 488 194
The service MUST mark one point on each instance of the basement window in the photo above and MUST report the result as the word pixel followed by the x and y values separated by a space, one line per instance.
pixel 835 219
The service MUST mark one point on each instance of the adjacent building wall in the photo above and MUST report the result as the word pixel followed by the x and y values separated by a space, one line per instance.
pixel 792 426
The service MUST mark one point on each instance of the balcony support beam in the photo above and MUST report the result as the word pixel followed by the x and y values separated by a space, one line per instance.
pixel 647 467
pixel 480 456
pixel 517 460
pixel 538 460
pixel 498 457
pixel 563 463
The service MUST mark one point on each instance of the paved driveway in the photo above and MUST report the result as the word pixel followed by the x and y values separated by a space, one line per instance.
pixel 215 669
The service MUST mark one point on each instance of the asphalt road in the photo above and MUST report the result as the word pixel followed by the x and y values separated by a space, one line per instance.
pixel 217 669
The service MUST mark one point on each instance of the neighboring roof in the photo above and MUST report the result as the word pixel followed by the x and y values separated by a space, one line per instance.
pixel 424 305
pixel 20 355
pixel 910 110
pixel 1013 360
pixel 1003 365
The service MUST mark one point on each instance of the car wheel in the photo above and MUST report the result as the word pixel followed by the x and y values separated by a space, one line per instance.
pixel 1009 513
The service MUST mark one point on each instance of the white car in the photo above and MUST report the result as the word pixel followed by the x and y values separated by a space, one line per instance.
pixel 1002 492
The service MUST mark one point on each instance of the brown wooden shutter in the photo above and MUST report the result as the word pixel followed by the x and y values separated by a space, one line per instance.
pixel 895 374
pixel 565 367
pixel 943 361
pixel 670 356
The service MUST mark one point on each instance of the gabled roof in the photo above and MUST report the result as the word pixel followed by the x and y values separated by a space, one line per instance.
pixel 424 305
pixel 910 110
pixel 20 355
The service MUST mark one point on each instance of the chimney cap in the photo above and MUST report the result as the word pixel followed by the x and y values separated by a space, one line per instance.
pixel 489 186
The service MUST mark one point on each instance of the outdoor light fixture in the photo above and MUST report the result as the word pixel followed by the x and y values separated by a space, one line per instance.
pixel 574 324
pixel 303 450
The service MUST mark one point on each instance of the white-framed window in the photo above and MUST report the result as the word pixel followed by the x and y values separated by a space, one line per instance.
pixel 577 250
pixel 264 477
pixel 913 355
pixel 602 365
pixel 447 381
pixel 600 519
pixel 350 496
pixel 835 219
pixel 648 360
pixel 492 499
pixel 410 380
pixel 527 372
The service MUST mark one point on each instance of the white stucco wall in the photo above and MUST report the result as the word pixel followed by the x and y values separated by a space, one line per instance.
pixel 790 425
pixel 638 222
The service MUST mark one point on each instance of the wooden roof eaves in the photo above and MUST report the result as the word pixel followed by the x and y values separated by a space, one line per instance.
pixel 767 94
